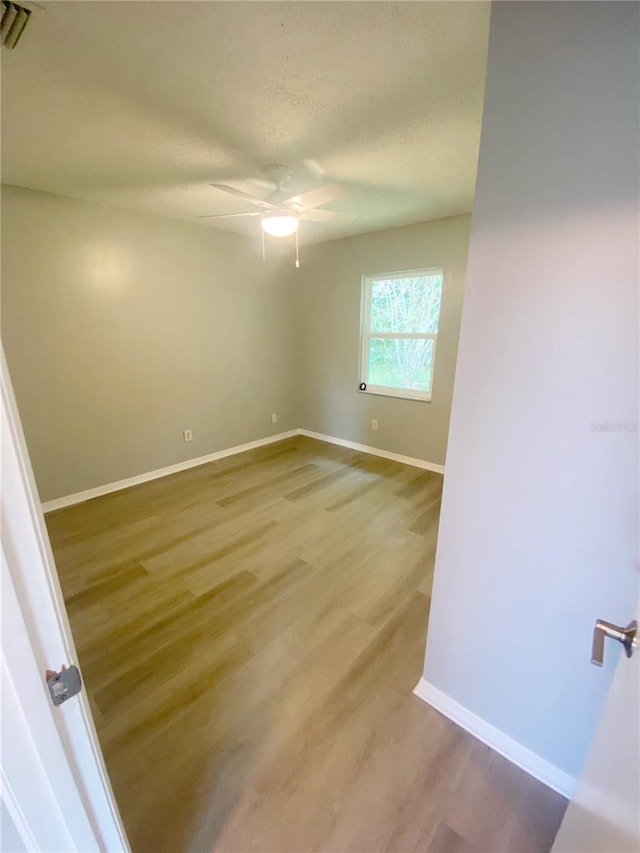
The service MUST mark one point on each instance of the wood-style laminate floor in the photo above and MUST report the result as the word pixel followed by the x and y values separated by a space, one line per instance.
pixel 250 632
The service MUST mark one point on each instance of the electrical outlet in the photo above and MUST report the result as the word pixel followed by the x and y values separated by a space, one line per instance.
pixel 274 417
pixel 374 424
pixel 187 435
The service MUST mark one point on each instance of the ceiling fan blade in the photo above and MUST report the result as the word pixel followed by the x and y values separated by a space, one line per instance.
pixel 314 198
pixel 250 198
pixel 228 215
pixel 326 216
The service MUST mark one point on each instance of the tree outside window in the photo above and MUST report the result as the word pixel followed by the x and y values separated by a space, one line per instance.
pixel 401 312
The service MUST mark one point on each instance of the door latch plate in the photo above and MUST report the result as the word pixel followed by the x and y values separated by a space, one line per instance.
pixel 63 685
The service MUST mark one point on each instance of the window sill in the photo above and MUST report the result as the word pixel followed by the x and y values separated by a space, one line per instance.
pixel 400 396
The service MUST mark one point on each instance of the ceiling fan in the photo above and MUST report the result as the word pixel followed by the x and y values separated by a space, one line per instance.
pixel 280 214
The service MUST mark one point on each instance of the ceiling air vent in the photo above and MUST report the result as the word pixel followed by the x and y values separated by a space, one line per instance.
pixel 14 20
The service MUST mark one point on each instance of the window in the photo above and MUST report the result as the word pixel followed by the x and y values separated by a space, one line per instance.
pixel 400 314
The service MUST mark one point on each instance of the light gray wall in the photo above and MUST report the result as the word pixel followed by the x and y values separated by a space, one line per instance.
pixel 121 330
pixel 538 534
pixel 329 311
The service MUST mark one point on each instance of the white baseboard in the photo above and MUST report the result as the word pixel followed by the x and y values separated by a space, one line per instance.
pixel 375 451
pixel 107 488
pixel 80 497
pixel 519 755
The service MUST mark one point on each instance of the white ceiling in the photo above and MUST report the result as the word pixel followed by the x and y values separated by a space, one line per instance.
pixel 142 104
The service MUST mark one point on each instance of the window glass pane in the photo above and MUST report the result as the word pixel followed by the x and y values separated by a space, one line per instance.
pixel 406 304
pixel 400 363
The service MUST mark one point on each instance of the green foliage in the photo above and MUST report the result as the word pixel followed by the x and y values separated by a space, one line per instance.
pixel 405 306
pixel 401 362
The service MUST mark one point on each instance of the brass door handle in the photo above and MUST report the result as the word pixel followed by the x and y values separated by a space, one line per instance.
pixel 615 632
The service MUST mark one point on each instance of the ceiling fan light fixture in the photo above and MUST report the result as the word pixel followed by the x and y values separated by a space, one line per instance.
pixel 280 224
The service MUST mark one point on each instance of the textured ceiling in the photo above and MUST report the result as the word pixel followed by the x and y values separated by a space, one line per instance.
pixel 142 104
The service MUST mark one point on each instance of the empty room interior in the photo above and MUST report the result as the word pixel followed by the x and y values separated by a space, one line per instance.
pixel 235 242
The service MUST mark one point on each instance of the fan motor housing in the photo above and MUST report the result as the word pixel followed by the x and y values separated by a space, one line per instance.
pixel 277 174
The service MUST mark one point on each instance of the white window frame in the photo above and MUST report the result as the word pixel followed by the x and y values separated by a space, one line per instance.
pixel 367 335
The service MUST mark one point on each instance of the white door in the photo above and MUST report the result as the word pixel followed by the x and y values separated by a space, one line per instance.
pixel 604 814
pixel 55 792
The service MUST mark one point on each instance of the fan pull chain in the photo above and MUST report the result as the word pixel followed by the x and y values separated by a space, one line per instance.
pixel 297 253
pixel 263 252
